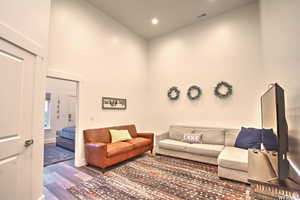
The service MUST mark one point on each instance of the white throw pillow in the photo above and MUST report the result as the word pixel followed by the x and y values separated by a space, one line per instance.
pixel 192 138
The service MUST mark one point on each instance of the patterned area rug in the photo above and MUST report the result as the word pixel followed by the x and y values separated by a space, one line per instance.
pixel 54 154
pixel 160 178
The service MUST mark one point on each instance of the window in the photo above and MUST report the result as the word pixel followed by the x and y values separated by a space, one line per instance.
pixel 47 115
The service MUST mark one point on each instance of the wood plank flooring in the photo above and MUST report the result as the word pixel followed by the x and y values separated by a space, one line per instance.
pixel 59 177
pixel 54 154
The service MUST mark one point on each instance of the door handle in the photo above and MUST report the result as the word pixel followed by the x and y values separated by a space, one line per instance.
pixel 28 143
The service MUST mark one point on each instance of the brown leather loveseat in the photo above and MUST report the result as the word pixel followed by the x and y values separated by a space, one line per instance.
pixel 100 152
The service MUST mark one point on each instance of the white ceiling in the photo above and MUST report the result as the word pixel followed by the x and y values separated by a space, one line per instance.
pixel 173 14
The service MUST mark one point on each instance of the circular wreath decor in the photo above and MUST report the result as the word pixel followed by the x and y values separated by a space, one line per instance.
pixel 221 86
pixel 194 92
pixel 173 93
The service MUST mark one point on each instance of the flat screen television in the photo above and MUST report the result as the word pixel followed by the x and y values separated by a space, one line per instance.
pixel 273 117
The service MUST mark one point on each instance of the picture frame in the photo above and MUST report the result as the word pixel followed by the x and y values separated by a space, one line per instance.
pixel 111 103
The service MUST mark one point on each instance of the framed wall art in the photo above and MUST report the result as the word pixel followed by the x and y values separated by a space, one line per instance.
pixel 111 103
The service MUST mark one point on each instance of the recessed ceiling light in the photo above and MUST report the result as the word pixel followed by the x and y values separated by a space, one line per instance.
pixel 155 21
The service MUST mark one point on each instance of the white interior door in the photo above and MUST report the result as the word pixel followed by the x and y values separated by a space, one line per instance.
pixel 17 68
pixel 72 110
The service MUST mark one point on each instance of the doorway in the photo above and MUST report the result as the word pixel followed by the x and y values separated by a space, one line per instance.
pixel 60 120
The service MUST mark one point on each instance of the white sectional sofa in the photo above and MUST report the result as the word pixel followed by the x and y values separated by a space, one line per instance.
pixel 217 147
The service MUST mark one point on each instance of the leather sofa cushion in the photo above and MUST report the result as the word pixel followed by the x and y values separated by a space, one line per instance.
pixel 97 135
pixel 172 145
pixel 139 142
pixel 210 150
pixel 234 158
pixel 103 135
pixel 117 148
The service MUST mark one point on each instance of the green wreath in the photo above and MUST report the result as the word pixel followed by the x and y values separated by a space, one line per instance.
pixel 190 91
pixel 228 87
pixel 173 90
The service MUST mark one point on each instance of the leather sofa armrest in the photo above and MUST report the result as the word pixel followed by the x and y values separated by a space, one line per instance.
pixel 147 135
pixel 161 136
pixel 95 153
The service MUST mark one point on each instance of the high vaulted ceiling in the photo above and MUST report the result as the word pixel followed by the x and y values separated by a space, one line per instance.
pixel 172 14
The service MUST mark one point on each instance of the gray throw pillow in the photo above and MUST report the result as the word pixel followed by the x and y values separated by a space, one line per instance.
pixel 192 138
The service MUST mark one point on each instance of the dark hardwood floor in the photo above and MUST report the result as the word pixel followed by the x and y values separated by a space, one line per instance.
pixel 59 177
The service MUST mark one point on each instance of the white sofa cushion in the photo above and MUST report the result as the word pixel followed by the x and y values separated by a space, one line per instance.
pixel 215 136
pixel 172 145
pixel 177 132
pixel 234 158
pixel 211 136
pixel 210 150
pixel 230 136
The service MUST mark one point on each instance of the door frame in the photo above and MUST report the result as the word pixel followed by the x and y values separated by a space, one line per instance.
pixel 78 137
pixel 37 127
pixel 20 40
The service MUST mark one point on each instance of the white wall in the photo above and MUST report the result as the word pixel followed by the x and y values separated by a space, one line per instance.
pixel 281 47
pixel 109 59
pixel 30 18
pixel 65 92
pixel 223 48
pixel 112 61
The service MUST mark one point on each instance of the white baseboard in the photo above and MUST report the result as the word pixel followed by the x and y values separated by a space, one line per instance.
pixel 80 163
pixel 41 197
pixel 50 140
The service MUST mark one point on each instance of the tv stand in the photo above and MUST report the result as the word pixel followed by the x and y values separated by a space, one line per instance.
pixel 263 176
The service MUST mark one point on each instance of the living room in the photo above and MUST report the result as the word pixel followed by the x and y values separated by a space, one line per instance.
pixel 138 51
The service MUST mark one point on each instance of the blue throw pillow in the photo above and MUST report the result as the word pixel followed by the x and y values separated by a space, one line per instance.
pixel 269 140
pixel 249 138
